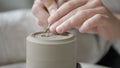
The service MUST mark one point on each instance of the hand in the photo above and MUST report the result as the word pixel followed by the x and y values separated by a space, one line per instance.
pixel 61 2
pixel 42 9
pixel 88 17
pixel 64 12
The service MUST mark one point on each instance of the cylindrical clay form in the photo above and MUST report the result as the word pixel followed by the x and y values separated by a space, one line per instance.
pixel 53 51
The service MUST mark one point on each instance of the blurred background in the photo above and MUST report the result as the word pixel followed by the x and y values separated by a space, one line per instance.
pixel 14 29
pixel 6 5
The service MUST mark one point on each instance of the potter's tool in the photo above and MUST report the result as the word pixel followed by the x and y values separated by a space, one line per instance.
pixel 47 30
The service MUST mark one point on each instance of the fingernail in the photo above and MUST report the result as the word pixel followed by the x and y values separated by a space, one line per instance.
pixel 60 29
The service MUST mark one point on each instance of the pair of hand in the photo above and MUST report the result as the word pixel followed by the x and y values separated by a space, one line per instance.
pixel 88 16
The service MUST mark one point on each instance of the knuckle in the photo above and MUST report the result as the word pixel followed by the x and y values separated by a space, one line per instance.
pixel 58 13
pixel 104 10
pixel 34 9
pixel 68 25
pixel 84 12
pixel 70 3
pixel 71 24
pixel 100 16
pixel 97 3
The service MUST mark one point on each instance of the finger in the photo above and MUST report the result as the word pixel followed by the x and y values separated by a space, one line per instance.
pixel 77 19
pixel 101 23
pixel 94 3
pixel 57 23
pixel 54 26
pixel 51 5
pixel 38 9
pixel 37 2
pixel 41 24
pixel 91 23
pixel 40 13
pixel 60 2
pixel 64 9
pixel 70 5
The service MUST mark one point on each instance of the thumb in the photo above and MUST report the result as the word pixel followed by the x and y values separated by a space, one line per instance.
pixel 51 6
